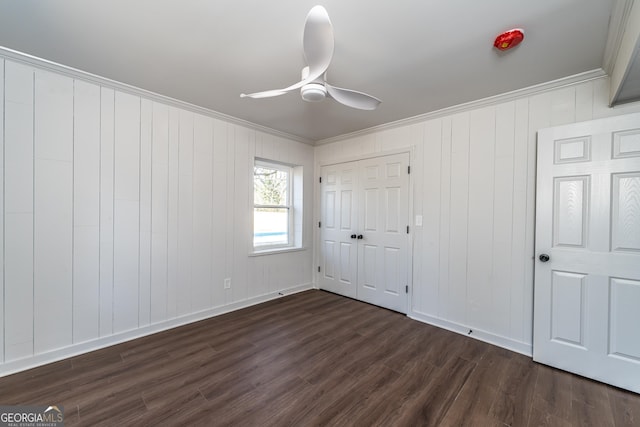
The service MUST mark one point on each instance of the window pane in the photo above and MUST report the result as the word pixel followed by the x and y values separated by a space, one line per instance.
pixel 270 186
pixel 270 226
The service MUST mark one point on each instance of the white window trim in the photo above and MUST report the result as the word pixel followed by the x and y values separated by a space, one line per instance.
pixel 277 251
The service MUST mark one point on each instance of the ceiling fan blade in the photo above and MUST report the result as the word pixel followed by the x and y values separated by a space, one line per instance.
pixel 318 46
pixel 353 98
pixel 318 43
pixel 265 94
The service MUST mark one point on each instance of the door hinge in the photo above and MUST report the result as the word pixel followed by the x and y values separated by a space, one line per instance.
pixel 318 269
pixel 319 224
pixel 407 229
pixel 406 289
pixel 408 169
pixel 320 180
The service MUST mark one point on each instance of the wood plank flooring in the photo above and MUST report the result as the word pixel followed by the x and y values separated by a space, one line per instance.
pixel 316 358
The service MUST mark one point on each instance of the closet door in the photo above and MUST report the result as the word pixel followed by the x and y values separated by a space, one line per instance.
pixel 383 217
pixel 338 216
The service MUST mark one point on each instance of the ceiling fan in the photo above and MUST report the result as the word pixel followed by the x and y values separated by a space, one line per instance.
pixel 318 45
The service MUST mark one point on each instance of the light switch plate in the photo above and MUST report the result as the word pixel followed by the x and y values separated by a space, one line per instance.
pixel 419 220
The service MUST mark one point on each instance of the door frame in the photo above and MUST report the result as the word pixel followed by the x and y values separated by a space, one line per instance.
pixel 410 150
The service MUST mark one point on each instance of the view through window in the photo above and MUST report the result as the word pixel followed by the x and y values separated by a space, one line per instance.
pixel 272 210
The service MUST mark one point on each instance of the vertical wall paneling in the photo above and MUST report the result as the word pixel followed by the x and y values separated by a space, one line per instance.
pixel 519 218
pixel 307 160
pixel 445 221
pixel 219 187
pixel 185 212
pixel 126 237
pixel 584 102
pixel 2 211
pixel 243 139
pixel 563 106
pixel 107 174
pixel 172 214
pixel 229 214
pixel 146 168
pixel 601 108
pixel 503 183
pixel 459 206
pixel 257 275
pixel 53 212
pixel 202 212
pixel 416 186
pixel 159 212
pixel 86 211
pixel 18 196
pixel 430 190
pixel 480 276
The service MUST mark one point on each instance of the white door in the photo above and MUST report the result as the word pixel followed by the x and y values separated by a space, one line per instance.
pixel 383 219
pixel 364 243
pixel 338 220
pixel 587 294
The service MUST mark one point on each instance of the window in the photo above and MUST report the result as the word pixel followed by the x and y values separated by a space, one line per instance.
pixel 273 210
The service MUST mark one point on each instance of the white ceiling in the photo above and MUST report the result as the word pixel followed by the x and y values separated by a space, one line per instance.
pixel 417 56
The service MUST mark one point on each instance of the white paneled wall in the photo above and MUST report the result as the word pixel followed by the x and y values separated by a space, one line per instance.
pixel 18 211
pixel 473 176
pixel 86 211
pixel 2 214
pixel 123 216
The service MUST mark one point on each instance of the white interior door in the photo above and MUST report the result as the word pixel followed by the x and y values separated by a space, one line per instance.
pixel 382 223
pixel 587 295
pixel 338 217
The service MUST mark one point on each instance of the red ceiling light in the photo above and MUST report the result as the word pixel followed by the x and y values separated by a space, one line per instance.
pixel 509 39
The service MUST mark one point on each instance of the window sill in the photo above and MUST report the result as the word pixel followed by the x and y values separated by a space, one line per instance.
pixel 276 251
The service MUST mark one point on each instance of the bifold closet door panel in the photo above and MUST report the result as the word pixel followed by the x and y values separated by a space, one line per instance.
pixel 383 220
pixel 338 220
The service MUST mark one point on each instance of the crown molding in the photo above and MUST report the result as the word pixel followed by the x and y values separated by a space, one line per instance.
pixel 74 73
pixel 47 65
pixel 617 24
pixel 484 102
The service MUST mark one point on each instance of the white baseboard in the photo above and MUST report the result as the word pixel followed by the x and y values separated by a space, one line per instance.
pixel 14 366
pixel 488 337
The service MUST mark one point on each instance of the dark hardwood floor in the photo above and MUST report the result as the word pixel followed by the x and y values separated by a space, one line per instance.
pixel 316 359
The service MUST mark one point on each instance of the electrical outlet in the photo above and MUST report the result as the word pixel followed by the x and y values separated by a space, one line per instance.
pixel 227 283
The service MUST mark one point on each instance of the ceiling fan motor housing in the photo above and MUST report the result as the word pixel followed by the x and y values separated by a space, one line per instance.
pixel 313 92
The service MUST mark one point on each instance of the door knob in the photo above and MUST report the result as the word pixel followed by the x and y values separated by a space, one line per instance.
pixel 544 257
pixel 353 236
pixel 360 236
